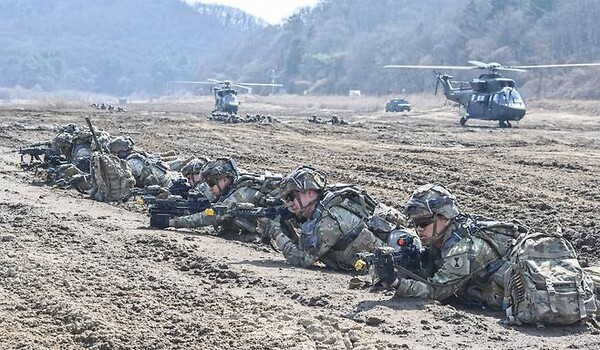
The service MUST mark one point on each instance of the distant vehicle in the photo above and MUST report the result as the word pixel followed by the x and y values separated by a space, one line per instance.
pixel 397 105
pixel 489 97
pixel 226 100
pixel 226 97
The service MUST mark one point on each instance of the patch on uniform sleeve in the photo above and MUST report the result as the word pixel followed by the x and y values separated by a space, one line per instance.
pixel 457 265
pixel 457 262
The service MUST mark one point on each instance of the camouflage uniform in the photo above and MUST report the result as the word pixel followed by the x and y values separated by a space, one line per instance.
pixel 333 234
pixel 463 264
pixel 76 145
pixel 244 189
pixel 148 169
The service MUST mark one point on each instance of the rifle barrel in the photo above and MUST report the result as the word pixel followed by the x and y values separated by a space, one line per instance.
pixel 89 123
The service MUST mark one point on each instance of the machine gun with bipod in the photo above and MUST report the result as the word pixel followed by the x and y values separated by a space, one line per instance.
pixel 40 155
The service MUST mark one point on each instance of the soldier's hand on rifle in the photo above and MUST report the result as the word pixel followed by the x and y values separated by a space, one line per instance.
pixel 386 273
pixel 160 221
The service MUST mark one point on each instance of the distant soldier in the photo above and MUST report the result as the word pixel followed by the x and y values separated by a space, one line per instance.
pixel 315 119
pixel 335 120
pixel 77 147
pixel 147 169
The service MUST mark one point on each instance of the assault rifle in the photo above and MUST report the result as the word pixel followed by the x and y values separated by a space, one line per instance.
pixel 407 256
pixel 179 187
pixel 245 214
pixel 35 153
pixel 176 205
pixel 271 209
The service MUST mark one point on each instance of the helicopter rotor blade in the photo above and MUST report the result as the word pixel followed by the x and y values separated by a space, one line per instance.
pixel 494 66
pixel 511 69
pixel 242 87
pixel 192 82
pixel 556 65
pixel 426 67
pixel 259 84
pixel 480 64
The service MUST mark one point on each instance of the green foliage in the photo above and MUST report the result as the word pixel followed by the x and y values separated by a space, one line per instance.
pixel 116 47
pixel 122 46
pixel 344 44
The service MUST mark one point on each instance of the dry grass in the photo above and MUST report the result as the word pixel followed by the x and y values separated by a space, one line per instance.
pixel 363 104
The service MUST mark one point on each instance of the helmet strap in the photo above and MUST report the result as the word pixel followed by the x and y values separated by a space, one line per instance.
pixel 303 208
pixel 437 235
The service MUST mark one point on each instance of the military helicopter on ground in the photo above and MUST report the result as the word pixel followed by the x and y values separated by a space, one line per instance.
pixel 489 97
pixel 226 97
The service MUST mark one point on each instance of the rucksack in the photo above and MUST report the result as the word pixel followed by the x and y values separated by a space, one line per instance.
pixel 378 217
pixel 111 177
pixel 545 284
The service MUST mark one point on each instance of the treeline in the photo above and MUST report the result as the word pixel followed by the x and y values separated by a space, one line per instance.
pixel 343 45
pixel 118 47
pixel 124 47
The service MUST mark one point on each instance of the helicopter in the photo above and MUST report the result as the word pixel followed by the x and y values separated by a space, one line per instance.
pixel 226 97
pixel 490 96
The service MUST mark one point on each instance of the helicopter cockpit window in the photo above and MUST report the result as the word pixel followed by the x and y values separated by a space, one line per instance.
pixel 508 97
pixel 515 98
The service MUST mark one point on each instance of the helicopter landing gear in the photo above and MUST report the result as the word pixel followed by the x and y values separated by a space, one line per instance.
pixel 504 124
pixel 463 120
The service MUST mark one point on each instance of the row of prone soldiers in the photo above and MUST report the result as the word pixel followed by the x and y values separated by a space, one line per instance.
pixel 108 107
pixel 430 249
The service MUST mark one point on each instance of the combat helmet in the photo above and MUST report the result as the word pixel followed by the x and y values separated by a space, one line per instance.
pixel 431 200
pixel 121 146
pixel 63 142
pixel 68 128
pixel 194 166
pixel 214 169
pixel 303 178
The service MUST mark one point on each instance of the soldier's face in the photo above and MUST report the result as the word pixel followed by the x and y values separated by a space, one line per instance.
pixel 194 179
pixel 301 202
pixel 425 227
pixel 218 186
pixel 291 203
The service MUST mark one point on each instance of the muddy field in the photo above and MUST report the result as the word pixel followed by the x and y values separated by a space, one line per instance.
pixel 75 273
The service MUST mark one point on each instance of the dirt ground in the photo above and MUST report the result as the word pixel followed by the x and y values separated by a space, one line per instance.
pixel 75 273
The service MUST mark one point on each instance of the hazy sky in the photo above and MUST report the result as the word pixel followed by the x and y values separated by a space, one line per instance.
pixel 272 11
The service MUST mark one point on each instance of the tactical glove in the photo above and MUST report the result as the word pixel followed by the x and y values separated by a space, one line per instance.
pixel 385 272
pixel 160 220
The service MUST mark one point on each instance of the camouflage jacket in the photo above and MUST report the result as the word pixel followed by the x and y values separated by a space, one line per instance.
pixel 149 169
pixel 466 265
pixel 333 236
pixel 243 190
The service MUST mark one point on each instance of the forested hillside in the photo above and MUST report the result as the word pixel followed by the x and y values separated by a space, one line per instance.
pixel 124 47
pixel 111 46
pixel 343 44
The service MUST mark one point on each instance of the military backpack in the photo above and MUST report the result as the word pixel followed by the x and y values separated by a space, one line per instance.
pixel 111 177
pixel 379 218
pixel 545 284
